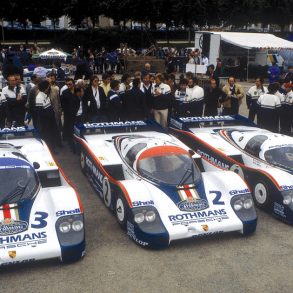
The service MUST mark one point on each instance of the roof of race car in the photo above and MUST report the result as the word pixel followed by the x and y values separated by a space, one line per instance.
pixel 267 140
pixel 104 149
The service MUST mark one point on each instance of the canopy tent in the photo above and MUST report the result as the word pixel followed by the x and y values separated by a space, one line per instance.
pixel 254 40
pixel 53 54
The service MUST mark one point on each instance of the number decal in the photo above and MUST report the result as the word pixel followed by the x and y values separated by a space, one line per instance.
pixel 217 198
pixel 40 220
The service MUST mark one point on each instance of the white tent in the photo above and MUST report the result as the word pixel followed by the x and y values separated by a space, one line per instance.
pixel 254 40
pixel 53 54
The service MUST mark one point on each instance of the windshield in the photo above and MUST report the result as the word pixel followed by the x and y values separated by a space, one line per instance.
pixel 18 181
pixel 173 169
pixel 282 156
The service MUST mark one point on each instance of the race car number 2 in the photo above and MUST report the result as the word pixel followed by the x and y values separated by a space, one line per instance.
pixel 218 195
pixel 40 220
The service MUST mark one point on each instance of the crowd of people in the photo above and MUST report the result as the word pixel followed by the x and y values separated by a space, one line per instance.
pixel 54 110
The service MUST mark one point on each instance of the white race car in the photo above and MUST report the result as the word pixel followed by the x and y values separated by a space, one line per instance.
pixel 151 182
pixel 262 158
pixel 41 216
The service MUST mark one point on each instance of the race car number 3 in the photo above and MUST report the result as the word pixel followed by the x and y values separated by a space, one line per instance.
pixel 40 220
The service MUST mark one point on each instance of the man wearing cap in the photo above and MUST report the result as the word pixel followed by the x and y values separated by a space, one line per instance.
pixel 287 110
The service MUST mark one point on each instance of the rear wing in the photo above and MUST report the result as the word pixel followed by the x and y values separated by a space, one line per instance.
pixel 18 132
pixel 116 127
pixel 185 123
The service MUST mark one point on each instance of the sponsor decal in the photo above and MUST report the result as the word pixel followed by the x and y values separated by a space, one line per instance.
pixel 131 234
pixel 256 162
pixel 51 164
pixel 22 238
pixel 237 192
pixel 199 217
pixel 70 212
pixel 143 203
pixel 99 176
pixel 213 160
pixel 13 129
pixel 113 124
pixel 193 205
pixel 206 118
pixel 18 262
pixel 205 227
pixel 279 209
pixel 101 158
pixel 9 227
pixel 12 253
pixel 176 123
pixel 240 138
pixel 286 187
pixel 15 167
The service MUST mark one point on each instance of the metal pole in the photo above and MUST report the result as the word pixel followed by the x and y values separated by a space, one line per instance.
pixel 3 39
pixel 247 64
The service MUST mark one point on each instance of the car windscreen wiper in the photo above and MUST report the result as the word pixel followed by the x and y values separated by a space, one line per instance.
pixel 18 191
pixel 186 175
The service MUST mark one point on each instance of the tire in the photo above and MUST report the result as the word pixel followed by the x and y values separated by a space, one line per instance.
pixel 261 195
pixel 121 211
pixel 82 161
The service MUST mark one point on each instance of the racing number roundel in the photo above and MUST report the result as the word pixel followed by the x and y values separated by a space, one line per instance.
pixel 106 192
pixel 238 170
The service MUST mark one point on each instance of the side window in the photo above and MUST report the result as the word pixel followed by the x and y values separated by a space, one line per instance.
pixel 253 146
pixel 131 154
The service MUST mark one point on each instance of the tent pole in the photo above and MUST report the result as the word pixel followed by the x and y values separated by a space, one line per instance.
pixel 247 65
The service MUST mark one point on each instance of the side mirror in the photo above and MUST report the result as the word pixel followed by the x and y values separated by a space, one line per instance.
pixel 36 165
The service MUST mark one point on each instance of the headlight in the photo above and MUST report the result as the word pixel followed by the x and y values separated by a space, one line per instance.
pixel 287 199
pixel 238 205
pixel 77 225
pixel 65 227
pixel 248 203
pixel 150 216
pixel 139 218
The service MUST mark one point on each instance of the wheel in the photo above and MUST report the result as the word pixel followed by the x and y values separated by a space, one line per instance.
pixel 261 195
pixel 82 162
pixel 121 211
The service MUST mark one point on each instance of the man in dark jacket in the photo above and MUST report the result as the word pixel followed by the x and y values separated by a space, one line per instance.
pixel 94 102
pixel 3 110
pixel 162 99
pixel 212 95
pixel 135 103
pixel 47 126
pixel 115 102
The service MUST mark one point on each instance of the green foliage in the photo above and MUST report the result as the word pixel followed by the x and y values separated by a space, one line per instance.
pixel 187 12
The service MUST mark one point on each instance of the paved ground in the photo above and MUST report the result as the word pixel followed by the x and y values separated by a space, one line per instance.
pixel 113 263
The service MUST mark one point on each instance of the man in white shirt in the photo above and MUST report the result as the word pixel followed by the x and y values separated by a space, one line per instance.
pixel 16 99
pixel 161 93
pixel 196 100
pixel 252 96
